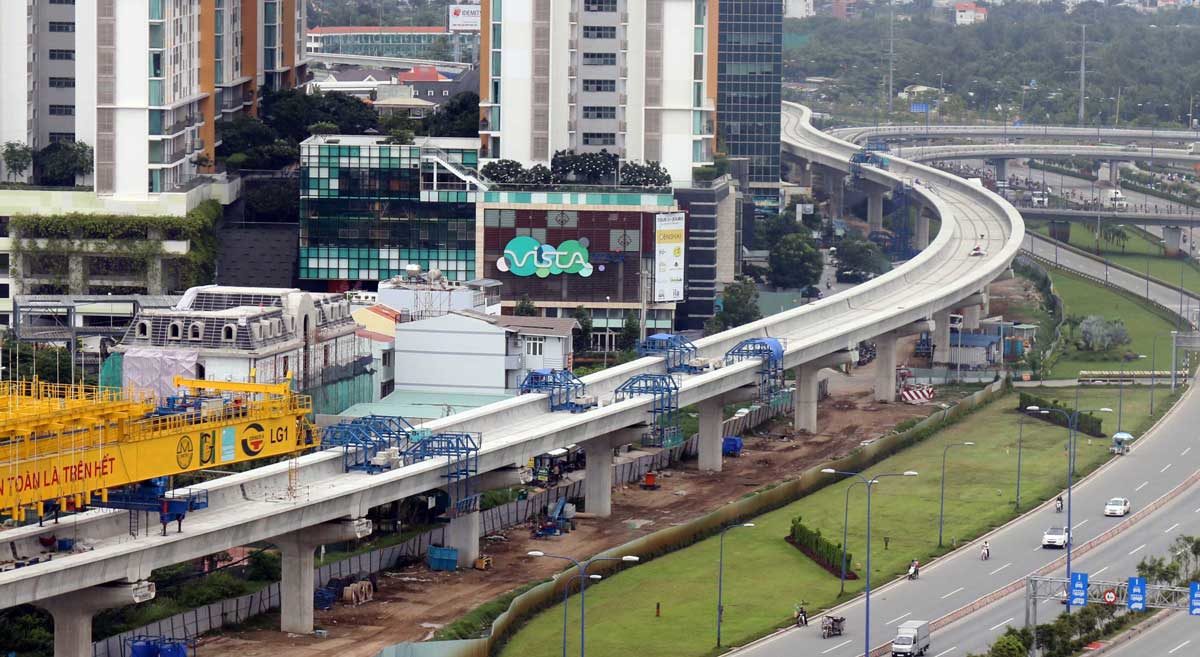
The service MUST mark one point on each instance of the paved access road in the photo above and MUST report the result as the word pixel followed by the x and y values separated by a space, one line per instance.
pixel 1159 461
pixel 1178 636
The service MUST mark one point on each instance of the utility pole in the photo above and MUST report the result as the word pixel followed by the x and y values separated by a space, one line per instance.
pixel 1082 68
pixel 891 54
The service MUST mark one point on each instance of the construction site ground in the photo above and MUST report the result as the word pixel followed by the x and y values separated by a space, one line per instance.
pixel 413 603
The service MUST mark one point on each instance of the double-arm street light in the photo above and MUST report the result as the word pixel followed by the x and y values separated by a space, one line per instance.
pixel 1072 422
pixel 942 503
pixel 583 576
pixel 721 578
pixel 869 483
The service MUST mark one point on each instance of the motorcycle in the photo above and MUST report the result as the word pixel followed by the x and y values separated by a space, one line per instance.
pixel 914 572
pixel 1058 506
pixel 985 554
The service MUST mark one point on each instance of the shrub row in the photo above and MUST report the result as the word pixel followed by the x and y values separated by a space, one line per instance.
pixel 821 549
pixel 1087 423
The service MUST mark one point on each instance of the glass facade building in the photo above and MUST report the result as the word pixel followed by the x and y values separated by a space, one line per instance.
pixel 369 209
pixel 750 66
pixel 404 42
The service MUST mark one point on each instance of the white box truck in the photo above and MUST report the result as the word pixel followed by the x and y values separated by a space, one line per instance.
pixel 1194 148
pixel 912 639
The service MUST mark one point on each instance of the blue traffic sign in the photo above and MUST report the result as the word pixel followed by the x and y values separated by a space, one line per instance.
pixel 1077 596
pixel 1194 600
pixel 1135 597
pixel 919 108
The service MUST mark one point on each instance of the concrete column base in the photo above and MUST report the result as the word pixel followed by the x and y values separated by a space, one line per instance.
pixel 597 487
pixel 805 397
pixel 710 434
pixel 462 534
pixel 73 613
pixel 971 317
pixel 875 209
pixel 1172 238
pixel 1001 167
pixel 941 336
pixel 296 569
pixel 921 241
pixel 885 367
pixel 1114 173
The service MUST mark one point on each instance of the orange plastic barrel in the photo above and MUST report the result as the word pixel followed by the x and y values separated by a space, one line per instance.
pixel 651 479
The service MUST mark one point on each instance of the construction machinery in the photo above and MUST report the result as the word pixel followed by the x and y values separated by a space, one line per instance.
pixel 565 390
pixel 679 353
pixel 65 447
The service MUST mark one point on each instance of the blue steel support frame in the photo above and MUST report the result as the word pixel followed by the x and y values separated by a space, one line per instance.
pixel 770 353
pixel 676 350
pixel 562 388
pixel 462 462
pixel 363 437
pixel 664 410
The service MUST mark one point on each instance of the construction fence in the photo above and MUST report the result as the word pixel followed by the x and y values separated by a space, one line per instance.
pixel 233 611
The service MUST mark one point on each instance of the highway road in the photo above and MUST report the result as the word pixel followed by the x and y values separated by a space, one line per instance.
pixel 1177 636
pixel 1074 134
pixel 1159 461
pixel 1186 304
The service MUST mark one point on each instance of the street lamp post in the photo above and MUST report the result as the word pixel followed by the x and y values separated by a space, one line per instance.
pixel 1020 440
pixel 566 594
pixel 721 579
pixel 942 503
pixel 869 484
pixel 1072 421
pixel 845 529
pixel 583 578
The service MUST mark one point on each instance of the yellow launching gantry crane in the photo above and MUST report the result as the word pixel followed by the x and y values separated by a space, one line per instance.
pixel 67 447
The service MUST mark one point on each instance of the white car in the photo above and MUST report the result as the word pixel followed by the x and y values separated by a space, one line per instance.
pixel 1117 506
pixel 1055 537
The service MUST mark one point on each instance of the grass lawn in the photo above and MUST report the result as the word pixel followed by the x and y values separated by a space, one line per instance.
pixel 765 577
pixel 1084 298
pixel 1139 251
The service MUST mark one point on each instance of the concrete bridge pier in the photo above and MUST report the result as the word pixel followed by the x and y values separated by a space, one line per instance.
pixel 73 613
pixel 875 195
pixel 833 182
pixel 971 317
pixel 1114 173
pixel 597 487
pixel 1001 167
pixel 463 534
pixel 885 359
pixel 298 561
pixel 1172 240
pixel 941 336
pixel 800 172
pixel 921 238
pixel 711 417
pixel 807 392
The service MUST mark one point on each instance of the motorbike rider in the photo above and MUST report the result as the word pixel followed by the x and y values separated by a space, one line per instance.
pixel 914 569
pixel 987 551
pixel 801 616
pixel 1058 504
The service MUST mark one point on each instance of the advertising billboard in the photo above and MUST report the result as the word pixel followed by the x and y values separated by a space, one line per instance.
pixel 464 18
pixel 668 256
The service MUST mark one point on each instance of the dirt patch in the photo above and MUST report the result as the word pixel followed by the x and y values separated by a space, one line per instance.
pixel 412 603
pixel 1016 299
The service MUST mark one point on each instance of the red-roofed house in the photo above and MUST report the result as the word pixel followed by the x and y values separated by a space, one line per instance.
pixel 422 74
pixel 969 13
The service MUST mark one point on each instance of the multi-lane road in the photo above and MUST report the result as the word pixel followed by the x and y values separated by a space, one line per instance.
pixel 1160 461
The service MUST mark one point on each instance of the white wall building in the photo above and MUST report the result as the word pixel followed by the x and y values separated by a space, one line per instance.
pixel 968 13
pixel 421 296
pixel 800 9
pixel 635 77
pixel 466 351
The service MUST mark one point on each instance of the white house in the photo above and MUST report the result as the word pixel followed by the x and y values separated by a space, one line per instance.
pixel 969 13
pixel 468 351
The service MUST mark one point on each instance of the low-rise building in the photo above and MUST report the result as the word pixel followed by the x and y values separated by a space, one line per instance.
pixel 969 13
pixel 471 352
pixel 399 41
pixel 251 334
pixel 417 295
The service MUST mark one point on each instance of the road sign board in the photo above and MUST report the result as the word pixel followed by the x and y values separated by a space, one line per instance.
pixel 919 108
pixel 1077 595
pixel 1194 600
pixel 1135 598
pixel 1110 597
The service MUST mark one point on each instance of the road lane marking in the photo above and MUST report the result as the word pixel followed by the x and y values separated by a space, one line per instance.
pixel 1046 600
pixel 1172 650
pixel 899 618
pixel 1100 571
pixel 1001 568
pixel 1141 486
pixel 844 643
pixel 953 592
pixel 1136 549
pixel 999 625
pixel 1164 468
pixel 1185 452
pixel 946 652
pixel 1080 523
pixel 1170 529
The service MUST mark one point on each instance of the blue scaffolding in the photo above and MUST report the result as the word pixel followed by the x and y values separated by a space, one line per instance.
pixel 676 350
pixel 564 389
pixel 664 410
pixel 363 438
pixel 461 451
pixel 155 496
pixel 770 353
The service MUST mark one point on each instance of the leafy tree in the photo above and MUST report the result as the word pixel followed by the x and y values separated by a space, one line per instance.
pixel 1158 570
pixel 631 332
pixel 1099 334
pixel 18 157
pixel 861 255
pixel 537 175
pixel 323 128
pixel 795 262
pixel 739 305
pixel 584 168
pixel 649 174
pixel 773 227
pixel 243 133
pixel 457 117
pixel 290 112
pixel 400 136
pixel 504 171
pixel 1007 646
pixel 62 162
pixel 583 338
pixel 525 307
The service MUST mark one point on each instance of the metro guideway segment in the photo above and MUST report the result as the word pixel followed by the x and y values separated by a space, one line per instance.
pixel 1159 462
